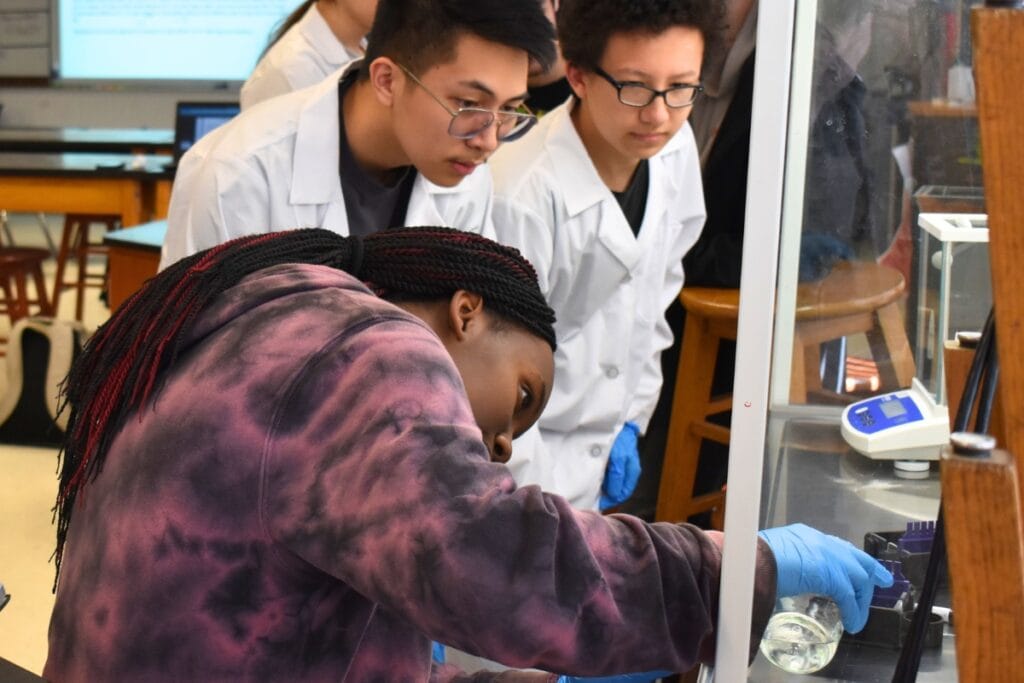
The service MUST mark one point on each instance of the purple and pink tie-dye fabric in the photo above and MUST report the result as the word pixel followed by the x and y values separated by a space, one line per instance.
pixel 308 499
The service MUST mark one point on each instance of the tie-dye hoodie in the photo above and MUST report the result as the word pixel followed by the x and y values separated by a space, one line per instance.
pixel 309 499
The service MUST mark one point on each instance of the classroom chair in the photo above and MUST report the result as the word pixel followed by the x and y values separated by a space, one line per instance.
pixel 855 298
pixel 75 243
pixel 19 265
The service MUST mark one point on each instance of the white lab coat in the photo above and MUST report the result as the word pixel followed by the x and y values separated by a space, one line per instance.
pixel 275 167
pixel 305 55
pixel 609 290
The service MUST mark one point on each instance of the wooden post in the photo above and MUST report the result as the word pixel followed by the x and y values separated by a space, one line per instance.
pixel 982 496
pixel 982 528
pixel 999 69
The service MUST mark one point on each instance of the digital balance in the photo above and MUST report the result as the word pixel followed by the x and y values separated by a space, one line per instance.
pixel 911 425
pixel 902 425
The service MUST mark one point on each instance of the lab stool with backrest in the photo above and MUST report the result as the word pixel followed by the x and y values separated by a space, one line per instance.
pixel 855 298
pixel 75 243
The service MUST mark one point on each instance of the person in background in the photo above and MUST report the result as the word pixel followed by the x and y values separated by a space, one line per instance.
pixel 835 219
pixel 721 126
pixel 398 138
pixel 549 88
pixel 314 41
pixel 604 198
pixel 301 480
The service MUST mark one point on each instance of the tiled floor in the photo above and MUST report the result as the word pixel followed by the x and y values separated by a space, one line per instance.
pixel 28 486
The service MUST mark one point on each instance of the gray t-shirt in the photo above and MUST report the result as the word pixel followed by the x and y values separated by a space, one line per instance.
pixel 370 203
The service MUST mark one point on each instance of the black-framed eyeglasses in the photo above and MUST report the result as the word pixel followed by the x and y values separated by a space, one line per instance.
pixel 468 122
pixel 639 95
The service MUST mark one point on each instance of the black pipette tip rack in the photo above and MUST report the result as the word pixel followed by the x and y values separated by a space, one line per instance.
pixel 912 553
pixel 905 554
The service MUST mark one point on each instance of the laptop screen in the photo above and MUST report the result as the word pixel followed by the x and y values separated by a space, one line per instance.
pixel 193 120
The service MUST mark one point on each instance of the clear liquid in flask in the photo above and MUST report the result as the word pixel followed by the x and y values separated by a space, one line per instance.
pixel 798 643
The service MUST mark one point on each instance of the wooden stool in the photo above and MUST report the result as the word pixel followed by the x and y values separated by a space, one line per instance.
pixel 75 242
pixel 18 265
pixel 711 316
pixel 856 297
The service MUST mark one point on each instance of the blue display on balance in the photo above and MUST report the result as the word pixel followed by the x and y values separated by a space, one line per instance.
pixel 876 414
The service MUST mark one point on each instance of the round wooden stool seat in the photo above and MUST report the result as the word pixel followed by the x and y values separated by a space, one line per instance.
pixel 855 298
pixel 711 302
pixel 852 287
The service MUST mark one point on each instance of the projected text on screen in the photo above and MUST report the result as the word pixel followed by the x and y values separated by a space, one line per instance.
pixel 165 39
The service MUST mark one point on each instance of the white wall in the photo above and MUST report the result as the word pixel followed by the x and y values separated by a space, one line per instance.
pixel 96 107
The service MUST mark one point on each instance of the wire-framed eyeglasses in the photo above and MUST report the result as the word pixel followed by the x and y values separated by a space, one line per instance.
pixel 639 95
pixel 468 122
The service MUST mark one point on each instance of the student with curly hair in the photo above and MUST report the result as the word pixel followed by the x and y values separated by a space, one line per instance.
pixel 604 198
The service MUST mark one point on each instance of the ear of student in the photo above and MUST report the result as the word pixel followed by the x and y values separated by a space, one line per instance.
pixel 465 313
pixel 383 79
pixel 574 75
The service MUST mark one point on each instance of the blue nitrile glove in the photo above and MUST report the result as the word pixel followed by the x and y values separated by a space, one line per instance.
pixel 809 561
pixel 819 253
pixel 645 677
pixel 437 653
pixel 623 469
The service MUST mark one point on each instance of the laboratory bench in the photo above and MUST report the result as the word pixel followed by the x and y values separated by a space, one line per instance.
pixel 95 140
pixel 133 257
pixel 812 476
pixel 133 188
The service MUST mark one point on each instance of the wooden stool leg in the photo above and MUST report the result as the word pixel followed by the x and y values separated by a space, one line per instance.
pixel 806 359
pixel 5 287
pixel 62 260
pixel 689 405
pixel 18 308
pixel 42 299
pixel 82 256
pixel 890 348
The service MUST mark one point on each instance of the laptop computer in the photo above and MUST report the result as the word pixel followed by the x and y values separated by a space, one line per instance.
pixel 193 120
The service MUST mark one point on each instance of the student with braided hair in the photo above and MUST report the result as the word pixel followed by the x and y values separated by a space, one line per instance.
pixel 283 462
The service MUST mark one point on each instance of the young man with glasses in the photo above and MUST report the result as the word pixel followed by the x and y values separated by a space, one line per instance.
pixel 398 138
pixel 604 197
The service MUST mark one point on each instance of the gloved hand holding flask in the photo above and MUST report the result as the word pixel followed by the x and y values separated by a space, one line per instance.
pixel 809 561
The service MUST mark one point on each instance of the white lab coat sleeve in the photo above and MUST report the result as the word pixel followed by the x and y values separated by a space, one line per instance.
pixel 486 219
pixel 263 84
pixel 648 388
pixel 480 210
pixel 472 205
pixel 518 225
pixel 691 200
pixel 214 200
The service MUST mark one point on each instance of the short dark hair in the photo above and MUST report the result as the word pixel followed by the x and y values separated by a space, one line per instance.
pixel 584 26
pixel 421 33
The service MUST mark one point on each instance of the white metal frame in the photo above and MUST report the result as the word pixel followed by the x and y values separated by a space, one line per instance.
pixel 795 174
pixel 769 123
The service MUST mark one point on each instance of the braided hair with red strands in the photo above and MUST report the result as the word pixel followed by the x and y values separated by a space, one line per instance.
pixel 118 370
